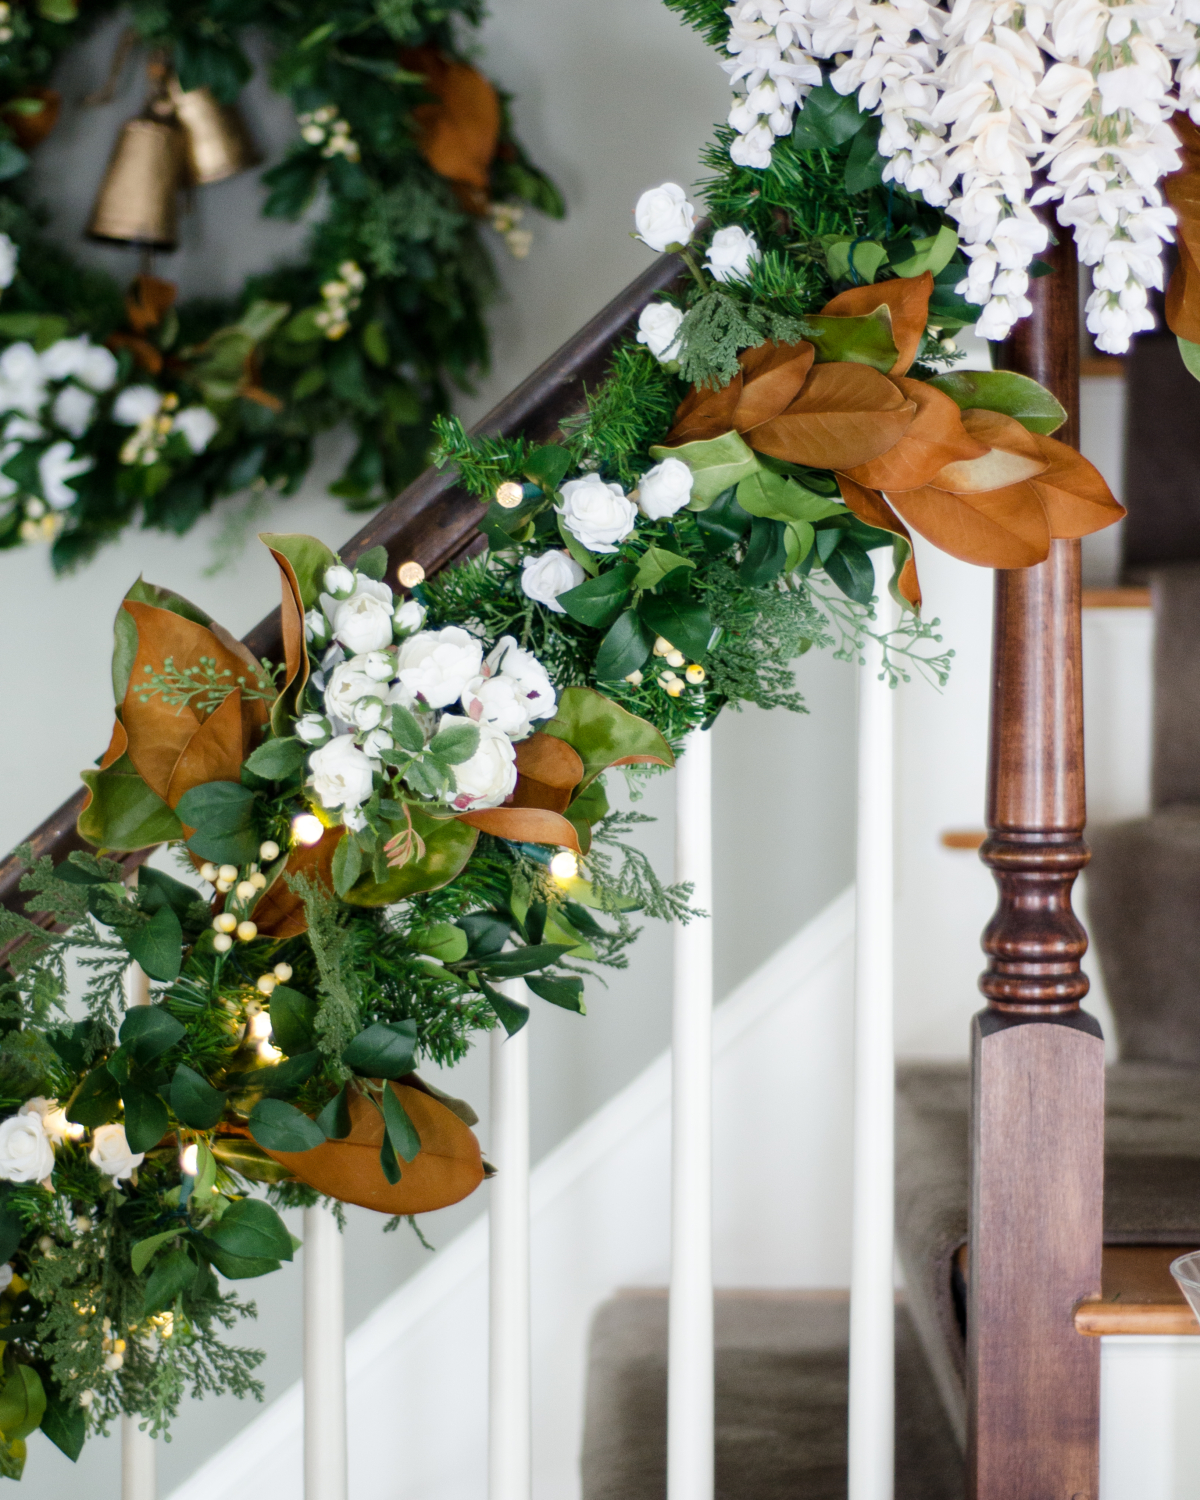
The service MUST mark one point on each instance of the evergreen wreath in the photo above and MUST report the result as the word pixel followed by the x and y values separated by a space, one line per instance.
pixel 116 404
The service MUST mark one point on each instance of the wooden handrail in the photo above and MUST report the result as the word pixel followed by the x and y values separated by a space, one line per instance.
pixel 434 520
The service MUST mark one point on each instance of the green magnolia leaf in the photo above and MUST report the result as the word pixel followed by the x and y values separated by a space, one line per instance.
pixel 145 1250
pixel 407 733
pixel 776 498
pixel 22 1403
pixel 456 741
pixel 604 734
pixel 798 542
pixel 716 464
pixel 724 523
pixel 486 933
pixel 373 563
pixel 850 567
pixel 686 624
pixel 511 1014
pixel 253 1229
pixel 930 253
pixel 385 1049
pixel 853 259
pixel 194 1100
pixel 335 1119
pixel 309 559
pixel 1004 391
pixel 448 845
pixel 64 1423
pixel 1190 354
pixel 279 1126
pixel 249 1161
pixel 444 940
pixel 401 1131
pixel 124 813
pixel 148 1031
pixel 766 553
pixel 173 1274
pixel 598 601
pixel 96 1099
pixel 864 165
pixel 146 1117
pixel 865 340
pixel 567 993
pixel 293 1019
pixel 656 564
pixel 827 119
pixel 625 649
pixel 277 759
pixel 158 945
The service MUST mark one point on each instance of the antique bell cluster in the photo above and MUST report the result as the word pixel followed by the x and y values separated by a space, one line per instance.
pixel 180 140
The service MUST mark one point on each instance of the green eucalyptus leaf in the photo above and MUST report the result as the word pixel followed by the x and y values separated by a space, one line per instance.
pixel 172 1275
pixel 511 1014
pixel 444 940
pixel 157 945
pixel 335 1119
pixel 625 649
pixel 145 1250
pixel 22 1403
pixel 194 1101
pixel 64 1423
pixel 96 1100
pixel 766 553
pixel 827 120
pixel 566 993
pixel 148 1031
pixel 853 259
pixel 385 1049
pixel 276 760
pixel 586 560
pixel 680 620
pixel 850 567
pixel 930 253
pixel 146 1117
pixel 548 466
pixel 400 1129
pixel 293 1019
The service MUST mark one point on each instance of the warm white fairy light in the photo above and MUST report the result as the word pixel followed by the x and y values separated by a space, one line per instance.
pixel 564 866
pixel 189 1160
pixel 307 828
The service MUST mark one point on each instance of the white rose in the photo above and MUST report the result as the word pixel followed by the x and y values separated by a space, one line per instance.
pixel 9 255
pixel 73 409
pixel 665 488
pixel 532 680
pixel 409 617
pixel 347 684
pixel 368 712
pixel 22 383
pixel 339 580
pixel 491 773
pixel 316 627
pixel 597 513
pixel 496 701
pixel 55 467
pixel 136 404
pixel 731 254
pixel 658 329
pixel 664 216
pixel 110 1153
pixel 312 730
pixel 436 665
pixel 363 623
pixel 376 742
pixel 198 426
pixel 380 665
pixel 342 775
pixel 91 364
pixel 544 578
pixel 26 1154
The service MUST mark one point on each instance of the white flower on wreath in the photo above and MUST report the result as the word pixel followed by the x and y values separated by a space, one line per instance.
pixel 664 216
pixel 22 380
pixel 73 410
pixel 658 329
pixel 110 1153
pixel 91 364
pixel 56 467
pixel 9 256
pixel 544 578
pixel 491 773
pixel 409 617
pixel 665 489
pixel 732 254
pixel 198 426
pixel 342 774
pixel 363 622
pixel 437 665
pixel 136 404
pixel 348 682
pixel 26 1154
pixel 599 514
pixel 512 692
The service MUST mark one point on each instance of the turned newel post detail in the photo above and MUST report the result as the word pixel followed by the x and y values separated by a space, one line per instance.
pixel 1037 1059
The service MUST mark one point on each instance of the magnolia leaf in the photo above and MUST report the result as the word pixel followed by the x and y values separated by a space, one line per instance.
pixel 686 624
pixel 656 563
pixel 447 845
pixel 846 414
pixel 865 340
pixel 123 813
pixel 716 464
pixel 598 601
pixel 309 559
pixel 1190 354
pixel 605 734
pixel 248 1160
pixel 22 1403
pixel 1004 391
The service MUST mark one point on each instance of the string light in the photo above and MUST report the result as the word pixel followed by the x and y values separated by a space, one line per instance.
pixel 260 1025
pixel 564 866
pixel 189 1160
pixel 58 1124
pixel 410 574
pixel 509 495
pixel 267 1053
pixel 307 828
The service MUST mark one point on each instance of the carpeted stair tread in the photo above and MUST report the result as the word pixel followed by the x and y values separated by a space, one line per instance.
pixel 781 1373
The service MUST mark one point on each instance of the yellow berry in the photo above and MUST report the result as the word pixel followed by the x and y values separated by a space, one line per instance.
pixel 247 931
pixel 265 983
pixel 675 658
pixel 245 890
pixel 209 872
pixel 268 850
pixel 224 886
pixel 695 673
pixel 283 972
pixel 222 942
pixel 662 646
pixel 225 922
pixel 228 872
pixel 258 880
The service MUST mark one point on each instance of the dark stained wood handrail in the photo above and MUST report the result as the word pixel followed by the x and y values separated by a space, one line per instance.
pixel 434 520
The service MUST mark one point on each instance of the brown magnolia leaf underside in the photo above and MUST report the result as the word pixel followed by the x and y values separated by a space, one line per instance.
pixel 279 912
pixel 773 375
pixel 295 652
pixel 1002 528
pixel 905 297
pixel 1182 191
pixel 846 415
pixel 1076 497
pixel 460 131
pixel 524 825
pixel 548 771
pixel 935 438
pixel 214 753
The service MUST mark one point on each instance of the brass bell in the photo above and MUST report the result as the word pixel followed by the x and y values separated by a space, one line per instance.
pixel 215 139
pixel 136 204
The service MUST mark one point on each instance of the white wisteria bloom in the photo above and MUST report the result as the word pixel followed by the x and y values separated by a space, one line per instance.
pixel 198 426
pixel 136 404
pixel 91 364
pixel 770 54
pixel 22 380
pixel 56 468
pixel 73 410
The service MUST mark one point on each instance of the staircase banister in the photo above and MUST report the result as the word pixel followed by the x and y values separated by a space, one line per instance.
pixel 433 521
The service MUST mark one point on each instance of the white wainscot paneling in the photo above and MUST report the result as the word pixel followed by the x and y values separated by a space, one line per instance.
pixel 1150 1418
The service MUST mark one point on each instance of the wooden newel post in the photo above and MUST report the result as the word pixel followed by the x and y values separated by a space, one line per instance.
pixel 1037 1148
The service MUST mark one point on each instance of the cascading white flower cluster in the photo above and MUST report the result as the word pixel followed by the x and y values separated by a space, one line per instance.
pixel 976 97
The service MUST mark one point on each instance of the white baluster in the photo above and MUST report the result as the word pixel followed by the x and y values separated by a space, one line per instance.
pixel 872 1298
pixel 138 1478
pixel 324 1357
pixel 690 1420
pixel 510 1419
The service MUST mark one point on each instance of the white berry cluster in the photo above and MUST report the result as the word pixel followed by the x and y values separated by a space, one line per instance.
pixel 340 296
pixel 324 127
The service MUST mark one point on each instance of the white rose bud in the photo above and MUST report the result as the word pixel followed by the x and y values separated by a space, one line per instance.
pixel 312 730
pixel 347 684
pixel 664 216
pixel 491 773
pixel 368 712
pixel 363 623
pixel 110 1153
pixel 436 665
pixel 409 617
pixel 342 776
pixel 598 514
pixel 379 665
pixel 316 627
pixel 732 253
pixel 544 578
pixel 26 1154
pixel 376 742
pixel 198 426
pixel 665 488
pixel 658 329
pixel 339 581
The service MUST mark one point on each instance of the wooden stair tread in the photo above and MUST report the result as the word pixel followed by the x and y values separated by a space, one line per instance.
pixel 1140 1296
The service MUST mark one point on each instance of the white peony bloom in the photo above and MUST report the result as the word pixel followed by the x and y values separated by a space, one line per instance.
pixel 136 404
pixel 436 665
pixel 9 255
pixel 664 489
pixel 312 729
pixel 91 364
pixel 198 426
pixel 664 216
pixel 56 467
pixel 732 254
pixel 497 701
pixel 491 773
pixel 522 667
pixel 73 410
pixel 110 1153
pixel 348 682
pixel 598 514
pixel 409 617
pixel 339 580
pixel 544 578
pixel 22 381
pixel 26 1154
pixel 658 329
pixel 342 775
pixel 363 623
